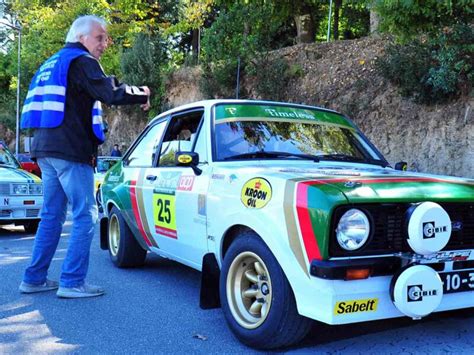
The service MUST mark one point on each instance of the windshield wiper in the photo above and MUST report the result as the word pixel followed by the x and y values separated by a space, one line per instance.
pixel 274 155
pixel 350 158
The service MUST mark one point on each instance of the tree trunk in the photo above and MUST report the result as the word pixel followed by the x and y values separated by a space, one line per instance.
pixel 195 42
pixel 337 10
pixel 304 28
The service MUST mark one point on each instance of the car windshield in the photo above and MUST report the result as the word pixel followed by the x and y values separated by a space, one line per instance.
pixel 104 164
pixel 7 158
pixel 277 138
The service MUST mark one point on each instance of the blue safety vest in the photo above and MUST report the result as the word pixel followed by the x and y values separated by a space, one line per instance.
pixel 46 98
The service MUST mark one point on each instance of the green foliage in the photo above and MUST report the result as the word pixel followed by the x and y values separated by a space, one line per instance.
pixel 434 70
pixel 238 33
pixel 142 65
pixel 408 18
pixel 271 77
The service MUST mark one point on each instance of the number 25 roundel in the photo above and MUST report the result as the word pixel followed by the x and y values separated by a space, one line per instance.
pixel 164 213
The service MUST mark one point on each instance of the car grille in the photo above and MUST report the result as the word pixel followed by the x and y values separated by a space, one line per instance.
pixel 5 213
pixel 32 213
pixel 390 223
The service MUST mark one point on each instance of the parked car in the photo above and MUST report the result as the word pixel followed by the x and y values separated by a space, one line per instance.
pixel 29 164
pixel 103 164
pixel 292 215
pixel 21 193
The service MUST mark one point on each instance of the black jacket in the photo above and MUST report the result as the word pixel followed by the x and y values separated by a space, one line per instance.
pixel 74 139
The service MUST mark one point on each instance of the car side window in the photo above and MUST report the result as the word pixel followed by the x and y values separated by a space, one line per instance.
pixel 180 136
pixel 144 152
pixel 200 146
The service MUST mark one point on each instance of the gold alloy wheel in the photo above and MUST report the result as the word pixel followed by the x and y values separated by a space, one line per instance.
pixel 249 290
pixel 114 235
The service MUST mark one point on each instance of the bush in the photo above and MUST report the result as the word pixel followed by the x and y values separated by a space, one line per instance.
pixel 239 33
pixel 432 70
pixel 271 77
pixel 142 65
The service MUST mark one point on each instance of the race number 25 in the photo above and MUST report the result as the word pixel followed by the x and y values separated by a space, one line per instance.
pixel 164 214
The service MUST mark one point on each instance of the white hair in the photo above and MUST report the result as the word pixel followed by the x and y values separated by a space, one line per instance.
pixel 82 26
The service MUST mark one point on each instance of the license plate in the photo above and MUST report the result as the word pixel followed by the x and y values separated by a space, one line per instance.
pixel 457 281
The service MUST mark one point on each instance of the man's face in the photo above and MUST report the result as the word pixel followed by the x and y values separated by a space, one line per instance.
pixel 96 41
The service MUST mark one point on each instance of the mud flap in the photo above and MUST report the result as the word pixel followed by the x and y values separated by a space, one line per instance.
pixel 104 229
pixel 209 297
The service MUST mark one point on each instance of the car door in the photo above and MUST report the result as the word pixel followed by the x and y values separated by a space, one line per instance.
pixel 138 164
pixel 178 196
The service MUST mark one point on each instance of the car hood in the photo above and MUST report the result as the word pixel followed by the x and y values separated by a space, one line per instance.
pixel 8 175
pixel 376 184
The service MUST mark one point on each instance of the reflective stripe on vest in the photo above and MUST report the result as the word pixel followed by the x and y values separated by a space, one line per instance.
pixel 97 123
pixel 45 102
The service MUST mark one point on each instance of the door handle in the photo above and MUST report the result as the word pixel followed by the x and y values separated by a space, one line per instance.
pixel 151 177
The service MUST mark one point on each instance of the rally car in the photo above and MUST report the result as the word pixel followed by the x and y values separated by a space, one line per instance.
pixel 103 163
pixel 292 215
pixel 21 193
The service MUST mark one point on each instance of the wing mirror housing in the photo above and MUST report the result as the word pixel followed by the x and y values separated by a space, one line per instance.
pixel 401 165
pixel 190 159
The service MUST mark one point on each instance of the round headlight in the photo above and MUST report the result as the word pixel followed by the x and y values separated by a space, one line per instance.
pixel 353 230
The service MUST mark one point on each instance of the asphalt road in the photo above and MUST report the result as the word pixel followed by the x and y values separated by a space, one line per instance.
pixel 155 309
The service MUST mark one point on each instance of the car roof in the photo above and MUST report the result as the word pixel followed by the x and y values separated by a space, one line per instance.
pixel 210 103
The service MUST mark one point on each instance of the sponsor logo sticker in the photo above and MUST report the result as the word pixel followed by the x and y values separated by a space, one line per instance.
pixel 185 183
pixel 356 306
pixel 430 229
pixel 256 193
pixel 415 293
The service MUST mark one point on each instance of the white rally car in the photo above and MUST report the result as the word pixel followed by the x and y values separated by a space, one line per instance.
pixel 292 215
pixel 21 193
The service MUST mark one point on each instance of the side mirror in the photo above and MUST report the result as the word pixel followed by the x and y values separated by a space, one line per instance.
pixel 190 159
pixel 401 165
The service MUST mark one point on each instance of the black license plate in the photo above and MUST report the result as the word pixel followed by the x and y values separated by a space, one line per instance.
pixel 458 281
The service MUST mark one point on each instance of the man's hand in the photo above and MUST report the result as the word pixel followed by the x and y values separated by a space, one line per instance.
pixel 146 89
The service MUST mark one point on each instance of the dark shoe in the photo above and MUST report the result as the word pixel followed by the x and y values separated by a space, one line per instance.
pixel 82 291
pixel 48 285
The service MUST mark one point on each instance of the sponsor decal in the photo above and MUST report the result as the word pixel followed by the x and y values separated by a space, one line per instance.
pixel 185 159
pixel 218 176
pixel 232 178
pixel 456 226
pixel 273 112
pixel 164 212
pixel 450 256
pixel 185 183
pixel 415 293
pixel 231 110
pixel 430 229
pixel 202 204
pixel 356 306
pixel 352 184
pixel 256 193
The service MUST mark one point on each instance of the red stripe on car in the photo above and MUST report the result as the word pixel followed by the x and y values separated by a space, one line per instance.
pixel 136 212
pixel 307 232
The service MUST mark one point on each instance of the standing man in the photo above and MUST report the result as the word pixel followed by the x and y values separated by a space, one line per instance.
pixel 63 104
pixel 115 151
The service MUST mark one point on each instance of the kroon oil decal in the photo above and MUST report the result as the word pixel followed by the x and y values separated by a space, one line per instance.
pixel 256 193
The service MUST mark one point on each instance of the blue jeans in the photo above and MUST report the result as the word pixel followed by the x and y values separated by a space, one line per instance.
pixel 64 181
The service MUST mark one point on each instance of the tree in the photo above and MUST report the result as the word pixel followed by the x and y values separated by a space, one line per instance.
pixel 141 65
pixel 408 19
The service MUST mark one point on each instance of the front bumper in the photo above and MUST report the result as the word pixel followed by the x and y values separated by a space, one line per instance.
pixel 14 208
pixel 330 298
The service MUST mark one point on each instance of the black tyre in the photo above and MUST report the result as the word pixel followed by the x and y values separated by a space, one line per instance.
pixel 124 250
pixel 256 298
pixel 31 226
